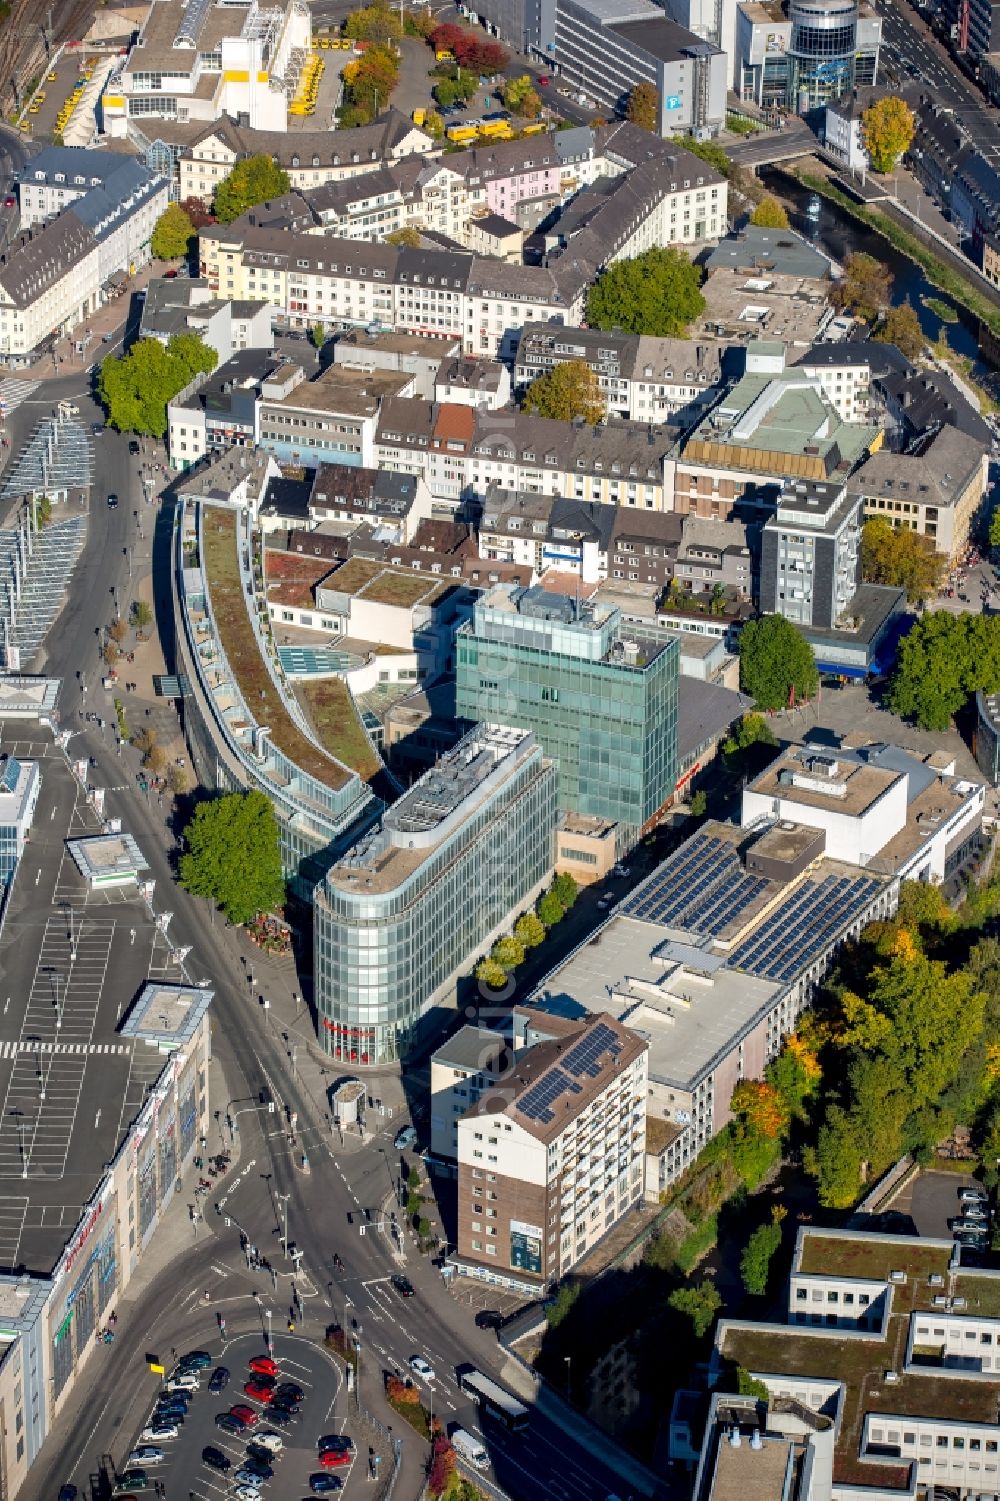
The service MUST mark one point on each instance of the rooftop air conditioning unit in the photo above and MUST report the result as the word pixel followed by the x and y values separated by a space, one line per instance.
pixel 891 1378
pixel 897 1276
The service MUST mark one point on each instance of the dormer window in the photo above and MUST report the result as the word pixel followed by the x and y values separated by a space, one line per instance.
pixel 295 161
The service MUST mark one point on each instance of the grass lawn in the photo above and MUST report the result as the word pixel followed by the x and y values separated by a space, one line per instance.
pixel 229 605
pixel 981 1293
pixel 331 708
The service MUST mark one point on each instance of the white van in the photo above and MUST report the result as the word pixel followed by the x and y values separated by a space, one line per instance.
pixel 470 1449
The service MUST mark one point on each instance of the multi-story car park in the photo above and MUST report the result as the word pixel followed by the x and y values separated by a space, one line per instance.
pixel 105 1068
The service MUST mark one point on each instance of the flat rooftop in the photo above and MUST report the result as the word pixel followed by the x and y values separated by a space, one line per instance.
pixel 167 1016
pixel 764 304
pixel 476 1048
pixel 75 961
pixel 432 809
pixel 24 697
pixel 364 578
pixel 343 389
pixel 105 855
pixel 746 1472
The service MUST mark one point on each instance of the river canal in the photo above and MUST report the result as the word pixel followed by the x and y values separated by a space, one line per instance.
pixel 837 234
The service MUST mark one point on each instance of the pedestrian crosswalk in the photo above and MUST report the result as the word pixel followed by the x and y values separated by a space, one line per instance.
pixel 13 392
pixel 9 1049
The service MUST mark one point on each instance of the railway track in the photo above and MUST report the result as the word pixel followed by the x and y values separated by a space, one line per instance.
pixel 22 44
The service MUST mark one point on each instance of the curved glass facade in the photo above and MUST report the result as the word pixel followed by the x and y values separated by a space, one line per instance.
pixel 394 923
pixel 317 818
pixel 822 49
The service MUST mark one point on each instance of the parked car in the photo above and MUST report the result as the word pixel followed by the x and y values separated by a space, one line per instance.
pixel 290 1390
pixel 158 1433
pixel 335 1441
pixel 259 1456
pixel 185 1382
pixel 220 1379
pixel 324 1485
pixel 973 1196
pixel 489 1318
pixel 334 1459
pixel 133 448
pixel 146 1454
pixel 264 1365
pixel 230 1422
pixel 247 1415
pixel 287 1405
pixel 257 1391
pixel 273 1442
pixel 404 1137
pixel 278 1416
pixel 197 1360
pixel 248 1475
pixel 215 1457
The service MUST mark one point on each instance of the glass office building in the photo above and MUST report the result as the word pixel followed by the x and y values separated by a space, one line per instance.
pixel 822 49
pixel 602 701
pixel 399 917
pixel 20 784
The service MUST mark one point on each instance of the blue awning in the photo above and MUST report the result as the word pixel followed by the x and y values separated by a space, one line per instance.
pixel 841 670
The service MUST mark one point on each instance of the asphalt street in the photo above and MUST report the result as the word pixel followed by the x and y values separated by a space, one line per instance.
pixel 325 1205
pixel 908 41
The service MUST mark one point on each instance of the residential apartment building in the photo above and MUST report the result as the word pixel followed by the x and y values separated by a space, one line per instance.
pixel 58 176
pixel 550 1157
pixel 175 305
pixel 895 1305
pixel 595 698
pixel 418 355
pixel 542 532
pixel 461 1069
pixel 200 61
pixel 640 376
pixel 330 419
pixel 879 807
pixel 219 410
pixel 309 157
pixel 605 48
pixel 697 960
pixel 843 371
pixel 391 505
pixel 937 491
pixel 810 554
pixel 50 281
pixel 414 904
pixel 714 554
pixel 644 547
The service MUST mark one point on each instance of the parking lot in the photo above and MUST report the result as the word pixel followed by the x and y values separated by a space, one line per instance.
pixel 71 72
pixel 931 1203
pixel 183 1472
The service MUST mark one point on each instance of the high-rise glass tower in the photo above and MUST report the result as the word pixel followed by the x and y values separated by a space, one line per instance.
pixel 601 699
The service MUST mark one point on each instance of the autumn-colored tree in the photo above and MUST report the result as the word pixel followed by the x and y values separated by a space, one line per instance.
pixel 865 287
pixel 887 130
pixel 643 107
pixel 491 974
pixel 111 653
pixel 569 390
pixel 401 1392
pixel 508 952
pixel 529 930
pixel 901 326
pixel 769 214
pixel 442 1466
pixel 761 1106
pixel 901 559
pixel 407 236
pixel 520 97
pixel 198 211
pixel 118 629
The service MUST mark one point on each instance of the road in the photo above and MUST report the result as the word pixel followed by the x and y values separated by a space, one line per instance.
pixel 909 43
pixel 324 1207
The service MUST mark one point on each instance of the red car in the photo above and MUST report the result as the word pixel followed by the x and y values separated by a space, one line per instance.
pixel 246 1414
pixel 544 80
pixel 264 1365
pixel 259 1392
pixel 333 1459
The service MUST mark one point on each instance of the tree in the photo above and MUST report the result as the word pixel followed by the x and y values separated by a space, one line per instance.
pixel 565 890
pixel 761 1106
pixel 172 234
pixel 136 387
pixel 558 1308
pixel 252 181
pixel 433 124
pixel 111 653
pixel 491 974
pixel 407 236
pixel 795 1074
pixel 550 909
pixel 657 292
pixel 700 1303
pixel 698 806
pixel 757 1254
pixel 508 953
pixel 520 97
pixel 943 660
pixel 447 37
pixel 706 151
pixel 179 780
pixel 901 327
pixel 118 630
pixel 442 1466
pixel 777 667
pixel 769 213
pixel 529 930
pixel 369 82
pixel 418 23
pixel 995 528
pixel 317 335
pixel 751 731
pixel 749 1386
pixel 375 23
pixel 900 558
pixel 569 390
pixel 232 855
pixel 643 108
pixel 198 212
pixel 887 130
pixel 142 616
pixel 865 287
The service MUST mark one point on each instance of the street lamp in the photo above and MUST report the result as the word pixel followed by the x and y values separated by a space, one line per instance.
pixel 270 1346
pixel 283 1200
pixel 569 1368
pixel 18 1117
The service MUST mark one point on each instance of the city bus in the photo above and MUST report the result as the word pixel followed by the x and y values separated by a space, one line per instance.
pixel 494 1400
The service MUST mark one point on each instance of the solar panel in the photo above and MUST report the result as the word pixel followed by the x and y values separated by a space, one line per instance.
pixel 804 926
pixel 583 1058
pixel 536 1103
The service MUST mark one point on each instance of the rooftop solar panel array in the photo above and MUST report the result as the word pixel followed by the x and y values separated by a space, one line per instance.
pixel 583 1058
pixel 537 1102
pixel 803 926
pixel 704 889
